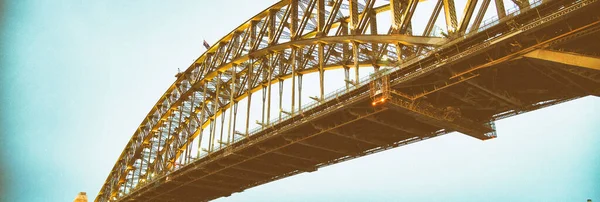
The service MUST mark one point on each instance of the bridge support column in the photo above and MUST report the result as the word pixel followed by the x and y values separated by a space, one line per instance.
pixel 500 10
pixel 148 168
pixel 231 104
pixel 300 93
pixel 480 15
pixel 280 98
pixel 450 14
pixel 216 105
pixel 157 157
pixel 270 82
pixel 431 23
pixel 355 48
pixel 321 72
pixel 264 98
pixel 202 118
pixel 249 97
pixel 347 77
pixel 467 14
pixel 293 58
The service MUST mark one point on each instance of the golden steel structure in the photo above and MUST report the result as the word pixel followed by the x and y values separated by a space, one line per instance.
pixel 462 78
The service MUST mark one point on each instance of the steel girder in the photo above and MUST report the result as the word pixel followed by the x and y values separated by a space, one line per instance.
pixel 573 59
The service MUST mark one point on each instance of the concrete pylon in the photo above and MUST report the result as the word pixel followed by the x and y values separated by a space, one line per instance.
pixel 81 197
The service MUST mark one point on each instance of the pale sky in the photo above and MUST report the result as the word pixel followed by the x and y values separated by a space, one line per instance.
pixel 77 77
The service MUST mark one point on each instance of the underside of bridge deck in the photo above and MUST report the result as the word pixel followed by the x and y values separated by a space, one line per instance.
pixel 343 133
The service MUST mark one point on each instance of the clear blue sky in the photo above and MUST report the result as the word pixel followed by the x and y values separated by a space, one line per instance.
pixel 77 77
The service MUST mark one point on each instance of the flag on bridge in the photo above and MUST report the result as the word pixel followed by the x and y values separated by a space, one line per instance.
pixel 206 45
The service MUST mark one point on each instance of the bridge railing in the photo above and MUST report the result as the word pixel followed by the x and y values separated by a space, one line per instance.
pixel 510 12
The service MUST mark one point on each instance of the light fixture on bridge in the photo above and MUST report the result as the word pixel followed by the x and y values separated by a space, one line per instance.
pixel 378 101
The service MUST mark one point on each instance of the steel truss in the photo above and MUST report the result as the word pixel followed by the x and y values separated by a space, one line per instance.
pixel 297 37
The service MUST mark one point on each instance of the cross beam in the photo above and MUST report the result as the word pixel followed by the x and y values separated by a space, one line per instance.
pixel 567 58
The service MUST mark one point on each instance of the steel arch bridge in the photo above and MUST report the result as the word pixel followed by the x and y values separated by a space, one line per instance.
pixel 196 145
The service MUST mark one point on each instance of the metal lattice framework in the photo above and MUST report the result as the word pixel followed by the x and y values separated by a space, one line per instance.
pixel 284 42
